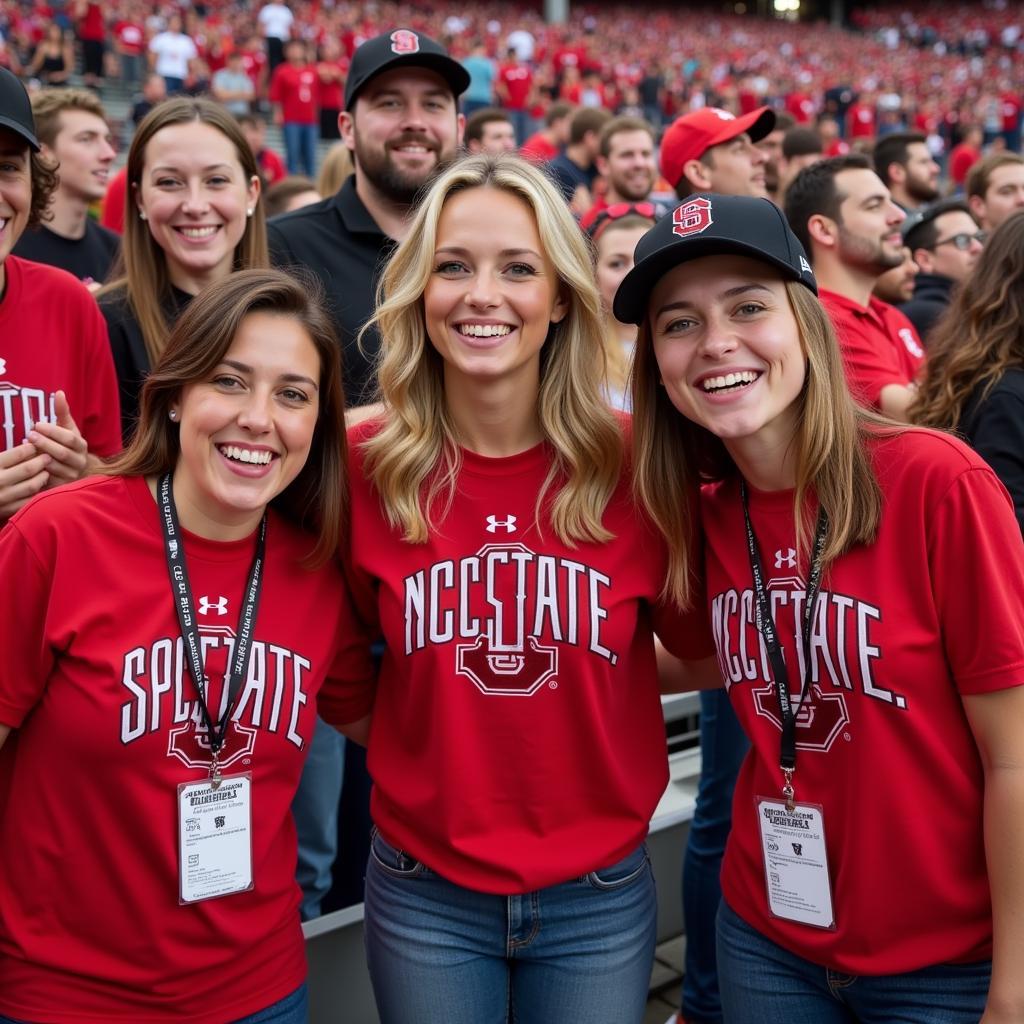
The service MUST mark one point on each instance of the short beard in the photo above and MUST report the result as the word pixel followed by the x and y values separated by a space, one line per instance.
pixel 922 191
pixel 629 194
pixel 869 256
pixel 395 186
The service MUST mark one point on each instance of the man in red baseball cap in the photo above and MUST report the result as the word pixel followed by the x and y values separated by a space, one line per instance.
pixel 711 150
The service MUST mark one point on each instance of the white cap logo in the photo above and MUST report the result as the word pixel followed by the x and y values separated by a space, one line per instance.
pixel 403 41
pixel 692 217
pixel 723 114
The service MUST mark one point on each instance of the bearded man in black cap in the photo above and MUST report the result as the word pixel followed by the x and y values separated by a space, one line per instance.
pixel 402 124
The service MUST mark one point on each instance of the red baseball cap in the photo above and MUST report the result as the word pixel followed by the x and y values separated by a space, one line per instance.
pixel 690 136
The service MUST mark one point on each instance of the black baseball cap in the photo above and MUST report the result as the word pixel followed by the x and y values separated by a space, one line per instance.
pixel 402 48
pixel 708 224
pixel 16 110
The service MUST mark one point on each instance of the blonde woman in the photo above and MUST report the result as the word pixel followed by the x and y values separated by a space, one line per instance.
pixel 193 216
pixel 866 590
pixel 517 745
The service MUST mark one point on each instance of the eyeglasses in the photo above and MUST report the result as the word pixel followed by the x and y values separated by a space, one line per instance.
pixel 619 210
pixel 962 240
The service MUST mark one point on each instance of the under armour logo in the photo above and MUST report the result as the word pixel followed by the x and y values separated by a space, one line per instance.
pixel 3 365
pixel 785 558
pixel 206 606
pixel 404 41
pixel 908 339
pixel 508 525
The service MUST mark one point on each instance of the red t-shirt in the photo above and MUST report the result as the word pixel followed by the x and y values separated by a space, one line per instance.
pixel 962 158
pixel 272 166
pixel 1010 108
pixel 861 120
pixel 879 345
pixel 517 736
pixel 332 92
pixel 91 25
pixel 53 337
pixel 253 62
pixel 801 106
pixel 94 683
pixel 538 150
pixel 131 38
pixel 518 80
pixel 932 610
pixel 112 204
pixel 298 92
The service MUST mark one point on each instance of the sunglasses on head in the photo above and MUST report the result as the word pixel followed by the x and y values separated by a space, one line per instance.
pixel 619 210
pixel 962 240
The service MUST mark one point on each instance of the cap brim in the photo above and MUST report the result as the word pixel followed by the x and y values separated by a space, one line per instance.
pixel 20 129
pixel 630 305
pixel 757 124
pixel 448 68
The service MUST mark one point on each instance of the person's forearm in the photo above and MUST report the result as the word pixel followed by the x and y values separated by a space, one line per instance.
pixel 1004 852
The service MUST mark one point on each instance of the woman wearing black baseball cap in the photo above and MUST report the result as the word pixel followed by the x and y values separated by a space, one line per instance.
pixel 865 584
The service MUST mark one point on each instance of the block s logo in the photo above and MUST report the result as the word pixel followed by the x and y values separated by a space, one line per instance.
pixel 692 218
pixel 403 41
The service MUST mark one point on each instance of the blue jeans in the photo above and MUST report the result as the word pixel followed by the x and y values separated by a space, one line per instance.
pixel 762 982
pixel 578 951
pixel 293 1009
pixel 723 746
pixel 300 148
pixel 315 810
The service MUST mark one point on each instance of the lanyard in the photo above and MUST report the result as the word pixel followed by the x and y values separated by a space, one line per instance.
pixel 185 607
pixel 766 627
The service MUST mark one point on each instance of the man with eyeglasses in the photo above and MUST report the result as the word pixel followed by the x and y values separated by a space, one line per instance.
pixel 946 242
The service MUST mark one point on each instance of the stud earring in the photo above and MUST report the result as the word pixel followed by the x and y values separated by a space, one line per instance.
pixel 248 212
pixel 173 415
pixel 142 215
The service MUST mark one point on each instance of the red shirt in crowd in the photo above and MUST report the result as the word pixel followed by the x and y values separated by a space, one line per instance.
pixel 961 159
pixel 131 38
pixel 297 89
pixel 861 121
pixel 903 629
pixel 879 344
pixel 518 82
pixel 54 338
pixel 517 737
pixel 93 675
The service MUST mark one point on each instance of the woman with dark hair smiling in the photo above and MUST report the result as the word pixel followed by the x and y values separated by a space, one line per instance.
pixel 865 583
pixel 174 628
pixel 193 216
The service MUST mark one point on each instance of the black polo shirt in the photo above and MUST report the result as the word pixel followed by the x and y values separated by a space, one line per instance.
pixel 338 241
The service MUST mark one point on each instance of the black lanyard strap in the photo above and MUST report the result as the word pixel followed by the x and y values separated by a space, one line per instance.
pixel 766 627
pixel 184 605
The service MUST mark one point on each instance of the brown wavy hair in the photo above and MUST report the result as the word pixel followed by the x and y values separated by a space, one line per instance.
pixel 672 456
pixel 317 499
pixel 981 334
pixel 140 272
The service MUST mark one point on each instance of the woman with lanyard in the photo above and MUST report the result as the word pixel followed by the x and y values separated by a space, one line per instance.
pixel 193 216
pixel 149 853
pixel 518 744
pixel 866 589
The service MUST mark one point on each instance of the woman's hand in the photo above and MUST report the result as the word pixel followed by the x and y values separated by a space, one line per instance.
pixel 63 443
pixel 23 474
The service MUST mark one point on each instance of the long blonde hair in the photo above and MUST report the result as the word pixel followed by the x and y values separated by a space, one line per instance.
pixel 672 456
pixel 414 460
pixel 140 272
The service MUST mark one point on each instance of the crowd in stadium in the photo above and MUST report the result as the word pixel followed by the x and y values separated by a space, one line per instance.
pixel 519 373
